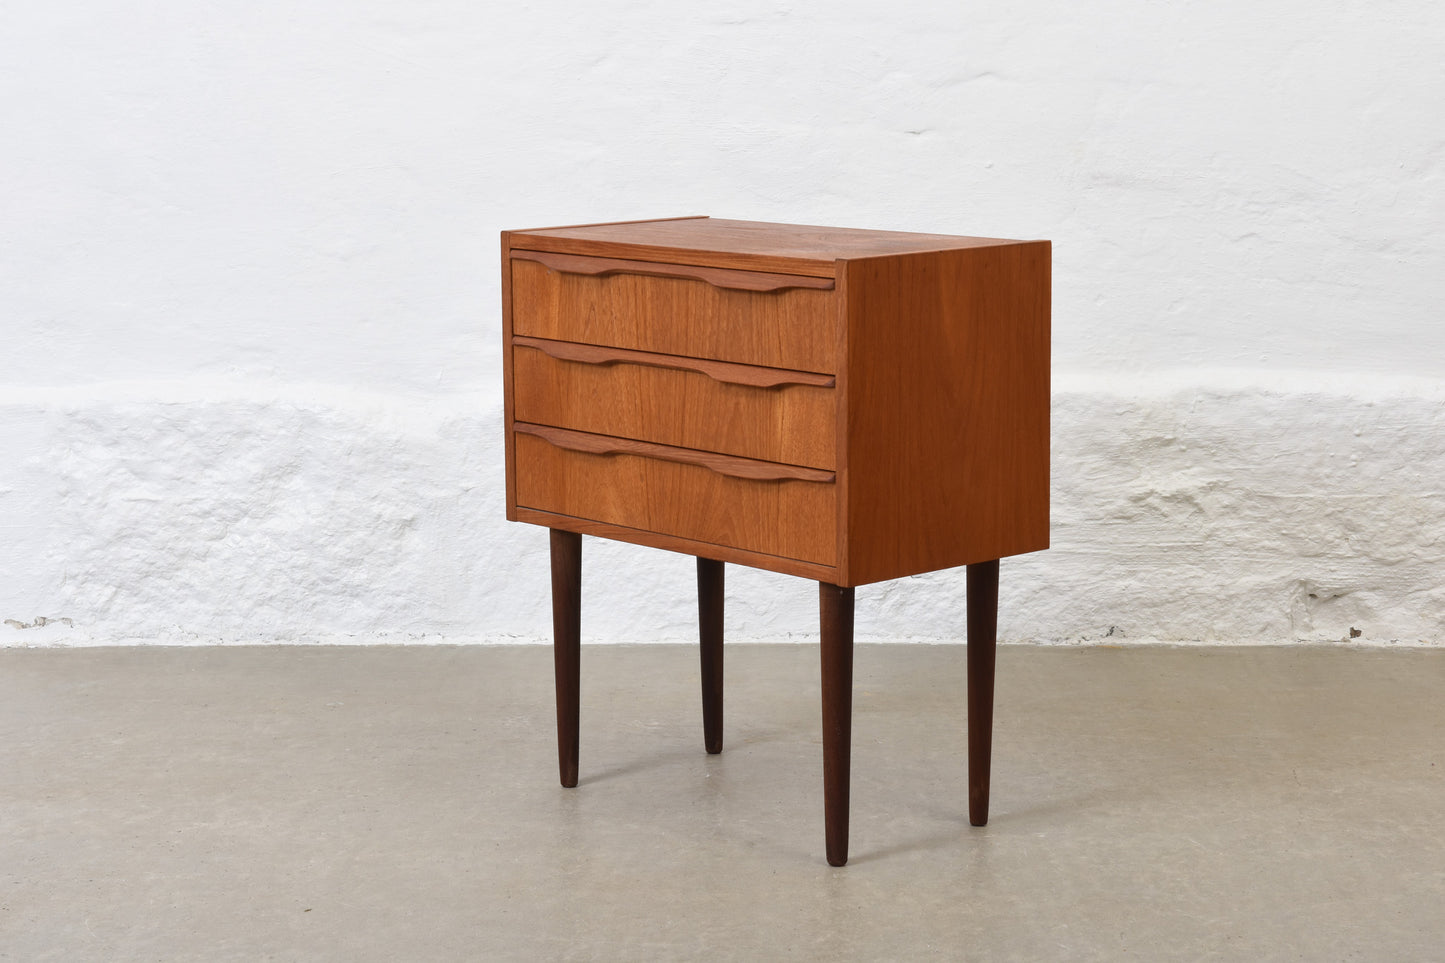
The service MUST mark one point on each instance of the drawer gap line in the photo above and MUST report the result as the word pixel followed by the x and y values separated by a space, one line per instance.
pixel 728 278
pixel 749 469
pixel 723 372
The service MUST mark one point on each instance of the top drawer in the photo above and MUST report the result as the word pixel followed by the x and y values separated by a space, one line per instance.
pixel 774 320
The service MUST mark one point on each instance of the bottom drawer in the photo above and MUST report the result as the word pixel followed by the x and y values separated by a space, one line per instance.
pixel 638 486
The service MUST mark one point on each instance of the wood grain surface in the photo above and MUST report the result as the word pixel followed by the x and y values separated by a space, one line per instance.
pixel 508 392
pixel 795 328
pixel 947 409
pixel 745 245
pixel 790 423
pixel 790 518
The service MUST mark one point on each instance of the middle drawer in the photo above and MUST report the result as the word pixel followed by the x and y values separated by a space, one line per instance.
pixel 763 413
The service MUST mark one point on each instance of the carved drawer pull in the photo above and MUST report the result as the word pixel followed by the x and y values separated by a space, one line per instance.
pixel 748 468
pixel 717 277
pixel 722 371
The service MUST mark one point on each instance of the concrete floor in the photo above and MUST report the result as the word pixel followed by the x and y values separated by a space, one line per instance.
pixel 402 804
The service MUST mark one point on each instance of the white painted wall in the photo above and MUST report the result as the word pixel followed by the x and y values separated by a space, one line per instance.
pixel 249 297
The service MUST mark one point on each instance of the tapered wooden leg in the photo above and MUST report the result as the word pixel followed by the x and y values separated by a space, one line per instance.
pixel 567 645
pixel 982 647
pixel 835 607
pixel 710 634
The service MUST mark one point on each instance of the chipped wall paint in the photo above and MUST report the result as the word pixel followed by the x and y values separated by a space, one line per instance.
pixel 1226 512
pixel 248 293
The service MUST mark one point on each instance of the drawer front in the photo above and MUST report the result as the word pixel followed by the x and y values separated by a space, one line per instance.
pixel 760 413
pixel 697 316
pixel 791 518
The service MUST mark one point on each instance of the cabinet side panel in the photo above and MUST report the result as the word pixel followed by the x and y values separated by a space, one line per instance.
pixel 507 403
pixel 947 409
pixel 840 426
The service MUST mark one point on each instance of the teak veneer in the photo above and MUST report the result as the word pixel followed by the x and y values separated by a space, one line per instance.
pixel 843 405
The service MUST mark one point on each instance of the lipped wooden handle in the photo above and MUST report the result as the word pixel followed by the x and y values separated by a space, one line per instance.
pixel 748 468
pixel 722 371
pixel 717 277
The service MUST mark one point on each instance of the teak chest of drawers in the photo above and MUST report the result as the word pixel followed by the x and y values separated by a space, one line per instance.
pixel 847 406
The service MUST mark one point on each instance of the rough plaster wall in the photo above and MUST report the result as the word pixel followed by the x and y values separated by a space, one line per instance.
pixel 249 296
pixel 1230 512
